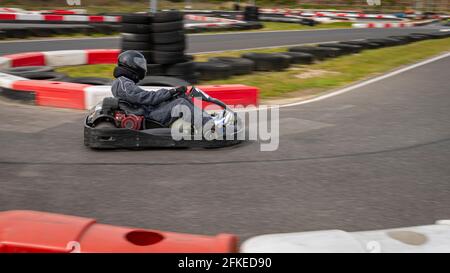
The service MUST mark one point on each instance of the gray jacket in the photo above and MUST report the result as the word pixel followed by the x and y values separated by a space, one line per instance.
pixel 127 90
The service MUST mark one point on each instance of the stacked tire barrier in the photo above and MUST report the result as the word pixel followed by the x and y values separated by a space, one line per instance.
pixel 161 39
pixel 224 67
pixel 251 13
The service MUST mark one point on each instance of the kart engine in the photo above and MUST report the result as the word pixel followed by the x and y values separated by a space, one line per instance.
pixel 128 121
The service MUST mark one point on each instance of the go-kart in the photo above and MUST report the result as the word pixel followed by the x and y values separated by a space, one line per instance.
pixel 114 123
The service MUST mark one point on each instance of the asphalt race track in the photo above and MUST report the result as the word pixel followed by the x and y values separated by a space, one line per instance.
pixel 216 42
pixel 375 157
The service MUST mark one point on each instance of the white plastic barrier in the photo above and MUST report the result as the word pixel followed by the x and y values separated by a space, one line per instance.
pixel 66 57
pixel 430 238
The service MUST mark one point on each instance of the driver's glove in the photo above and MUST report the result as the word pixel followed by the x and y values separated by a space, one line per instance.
pixel 177 91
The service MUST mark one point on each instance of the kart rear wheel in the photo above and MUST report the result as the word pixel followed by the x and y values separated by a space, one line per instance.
pixel 105 125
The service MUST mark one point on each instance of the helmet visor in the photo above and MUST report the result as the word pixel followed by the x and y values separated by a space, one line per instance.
pixel 141 63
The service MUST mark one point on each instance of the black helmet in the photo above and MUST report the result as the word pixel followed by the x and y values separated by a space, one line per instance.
pixel 133 61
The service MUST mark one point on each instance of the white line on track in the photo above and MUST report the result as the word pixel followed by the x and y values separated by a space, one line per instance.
pixel 364 83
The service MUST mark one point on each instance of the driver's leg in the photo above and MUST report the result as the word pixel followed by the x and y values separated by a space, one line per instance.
pixel 163 114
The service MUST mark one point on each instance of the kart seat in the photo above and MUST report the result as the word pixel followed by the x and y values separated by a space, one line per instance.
pixel 130 109
pixel 110 104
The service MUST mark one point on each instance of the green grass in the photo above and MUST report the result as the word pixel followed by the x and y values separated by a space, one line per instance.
pixel 322 76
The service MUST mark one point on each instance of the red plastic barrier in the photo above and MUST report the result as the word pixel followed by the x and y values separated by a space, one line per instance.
pixel 102 56
pixel 27 59
pixel 55 94
pixel 62 12
pixel 53 17
pixel 7 16
pixel 39 232
pixel 96 18
pixel 233 94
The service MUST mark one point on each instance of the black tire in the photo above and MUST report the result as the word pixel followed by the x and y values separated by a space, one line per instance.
pixel 318 52
pixel 136 45
pixel 436 35
pixel 155 70
pixel 48 76
pixel 135 28
pixel 427 35
pixel 213 70
pixel 148 54
pixel 167 16
pixel 26 70
pixel 17 33
pixel 362 43
pixel 2 35
pixel 90 80
pixel 133 37
pixel 180 46
pixel 163 57
pixel 405 39
pixel 416 38
pixel 268 61
pixel 188 57
pixel 180 69
pixel 168 37
pixel 300 58
pixel 167 27
pixel 191 78
pixel 239 66
pixel 105 125
pixel 143 19
pixel 384 42
pixel 40 32
pixel 162 81
pixel 105 28
pixel 347 49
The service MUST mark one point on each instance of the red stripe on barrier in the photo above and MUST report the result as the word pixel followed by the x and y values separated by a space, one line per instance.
pixel 401 24
pixel 387 25
pixel 102 56
pixel 53 17
pixel 95 18
pixel 55 94
pixel 62 12
pixel 7 16
pixel 370 25
pixel 26 59
pixel 233 94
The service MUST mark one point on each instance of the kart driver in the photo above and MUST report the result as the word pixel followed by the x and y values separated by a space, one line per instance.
pixel 157 105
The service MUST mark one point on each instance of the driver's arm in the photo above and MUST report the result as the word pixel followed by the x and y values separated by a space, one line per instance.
pixel 136 95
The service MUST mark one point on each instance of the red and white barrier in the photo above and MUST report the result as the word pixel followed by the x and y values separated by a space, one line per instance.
pixel 54 11
pixel 382 25
pixel 58 17
pixel 84 96
pixel 60 58
pixel 329 14
pixel 209 19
